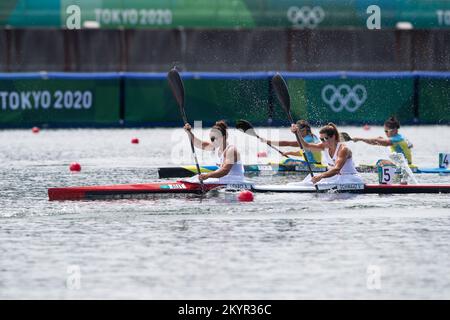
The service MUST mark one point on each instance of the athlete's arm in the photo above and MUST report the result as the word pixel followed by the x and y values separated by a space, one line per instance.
pixel 230 158
pixel 205 145
pixel 293 153
pixel 342 156
pixel 282 143
pixel 374 141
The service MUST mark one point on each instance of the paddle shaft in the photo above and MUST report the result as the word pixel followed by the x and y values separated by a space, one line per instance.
pixel 176 84
pixel 282 93
pixel 247 126
pixel 279 151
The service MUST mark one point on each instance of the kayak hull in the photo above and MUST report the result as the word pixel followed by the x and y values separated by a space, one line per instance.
pixel 190 171
pixel 180 187
pixel 353 188
pixel 124 191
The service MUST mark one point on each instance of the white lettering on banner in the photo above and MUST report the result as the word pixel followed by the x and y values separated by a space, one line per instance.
pixel 3 96
pixel 443 17
pixel 345 97
pixel 133 16
pixel 77 99
pixel 115 16
pixel 28 100
pixel 68 99
pixel 98 13
pixel 45 99
pixel 36 97
pixel 106 17
pixel 14 100
pixel 25 97
pixel 58 96
pixel 87 99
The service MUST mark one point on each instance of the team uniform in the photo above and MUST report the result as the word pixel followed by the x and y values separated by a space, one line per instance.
pixel 235 176
pixel 347 174
pixel 314 157
pixel 401 145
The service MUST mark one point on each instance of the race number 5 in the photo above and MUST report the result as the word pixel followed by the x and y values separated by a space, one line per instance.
pixel 444 159
pixel 386 174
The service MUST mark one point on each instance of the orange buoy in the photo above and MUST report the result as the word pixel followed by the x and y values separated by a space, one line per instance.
pixel 246 196
pixel 366 127
pixel 35 130
pixel 75 166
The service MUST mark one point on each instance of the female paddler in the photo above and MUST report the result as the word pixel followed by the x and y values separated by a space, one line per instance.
pixel 394 139
pixel 231 170
pixel 314 157
pixel 336 155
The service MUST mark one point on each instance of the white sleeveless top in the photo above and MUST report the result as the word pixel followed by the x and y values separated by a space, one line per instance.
pixel 236 173
pixel 349 166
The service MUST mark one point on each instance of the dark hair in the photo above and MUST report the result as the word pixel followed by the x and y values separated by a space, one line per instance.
pixel 304 124
pixel 221 126
pixel 392 123
pixel 330 130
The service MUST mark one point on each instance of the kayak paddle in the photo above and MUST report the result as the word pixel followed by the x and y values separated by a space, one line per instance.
pixel 247 128
pixel 177 87
pixel 282 93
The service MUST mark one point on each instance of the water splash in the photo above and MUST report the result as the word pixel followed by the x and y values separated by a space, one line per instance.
pixel 400 161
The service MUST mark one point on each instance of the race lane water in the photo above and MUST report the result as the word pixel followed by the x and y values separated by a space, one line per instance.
pixel 281 246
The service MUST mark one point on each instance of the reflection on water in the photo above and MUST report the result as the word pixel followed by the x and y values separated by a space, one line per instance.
pixel 289 246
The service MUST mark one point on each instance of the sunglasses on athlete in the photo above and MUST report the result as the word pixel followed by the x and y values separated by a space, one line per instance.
pixel 389 130
pixel 324 139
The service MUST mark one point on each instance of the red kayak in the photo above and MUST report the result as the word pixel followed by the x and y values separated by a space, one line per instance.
pixel 180 187
pixel 126 190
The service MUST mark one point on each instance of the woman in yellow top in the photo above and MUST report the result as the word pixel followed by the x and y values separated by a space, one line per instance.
pixel 394 140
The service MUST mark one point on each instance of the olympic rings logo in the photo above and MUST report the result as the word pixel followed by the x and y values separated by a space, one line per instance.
pixel 344 96
pixel 306 17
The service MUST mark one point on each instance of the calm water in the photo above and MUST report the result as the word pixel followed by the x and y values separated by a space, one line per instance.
pixel 281 246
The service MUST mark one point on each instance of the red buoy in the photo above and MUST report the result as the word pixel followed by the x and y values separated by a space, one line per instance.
pixel 366 127
pixel 75 166
pixel 262 154
pixel 246 196
pixel 35 130
pixel 135 140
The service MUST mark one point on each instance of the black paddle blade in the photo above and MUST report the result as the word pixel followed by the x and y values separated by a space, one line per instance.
pixel 177 87
pixel 282 92
pixel 345 136
pixel 243 125
pixel 246 126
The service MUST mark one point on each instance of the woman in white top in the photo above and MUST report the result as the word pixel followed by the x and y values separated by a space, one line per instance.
pixel 337 156
pixel 230 169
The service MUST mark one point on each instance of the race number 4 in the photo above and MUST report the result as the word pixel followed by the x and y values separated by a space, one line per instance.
pixel 386 174
pixel 444 159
